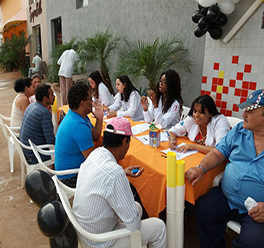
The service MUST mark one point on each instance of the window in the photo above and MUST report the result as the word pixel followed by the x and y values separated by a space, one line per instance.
pixel 37 39
pixel 56 32
pixel 32 1
pixel 81 3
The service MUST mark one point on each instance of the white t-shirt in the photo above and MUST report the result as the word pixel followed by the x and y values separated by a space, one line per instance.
pixel 132 108
pixel 167 120
pixel 104 95
pixel 37 61
pixel 66 62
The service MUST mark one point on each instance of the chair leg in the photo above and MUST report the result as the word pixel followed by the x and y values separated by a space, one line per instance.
pixel 11 151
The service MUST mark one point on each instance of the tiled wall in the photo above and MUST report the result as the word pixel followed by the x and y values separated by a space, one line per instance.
pixel 233 70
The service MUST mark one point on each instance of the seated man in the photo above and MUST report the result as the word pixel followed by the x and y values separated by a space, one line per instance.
pixel 103 199
pixel 76 134
pixel 37 124
pixel 37 63
pixel 243 177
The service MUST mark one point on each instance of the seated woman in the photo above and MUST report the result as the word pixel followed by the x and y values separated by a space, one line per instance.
pixel 166 103
pixel 25 88
pixel 37 81
pixel 100 90
pixel 128 98
pixel 204 125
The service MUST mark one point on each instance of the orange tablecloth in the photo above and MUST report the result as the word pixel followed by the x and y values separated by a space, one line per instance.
pixel 151 185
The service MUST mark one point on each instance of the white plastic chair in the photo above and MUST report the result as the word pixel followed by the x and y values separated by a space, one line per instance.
pixel 233 225
pixel 63 192
pixel 10 142
pixel 185 111
pixel 233 120
pixel 24 163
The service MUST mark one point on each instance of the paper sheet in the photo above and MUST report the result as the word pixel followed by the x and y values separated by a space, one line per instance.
pixel 180 155
pixel 140 128
pixel 145 138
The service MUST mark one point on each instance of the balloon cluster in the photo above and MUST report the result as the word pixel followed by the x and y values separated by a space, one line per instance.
pixel 52 218
pixel 211 16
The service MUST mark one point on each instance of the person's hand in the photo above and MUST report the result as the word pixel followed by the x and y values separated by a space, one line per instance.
pixel 130 174
pixel 153 98
pixel 194 175
pixel 173 144
pixel 111 114
pixel 98 110
pixel 144 102
pixel 257 213
pixel 185 148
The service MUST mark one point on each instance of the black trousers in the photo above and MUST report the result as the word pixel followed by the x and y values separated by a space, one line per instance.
pixel 212 214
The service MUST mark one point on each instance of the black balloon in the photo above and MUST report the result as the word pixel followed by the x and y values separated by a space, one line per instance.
pixel 68 239
pixel 197 15
pixel 204 11
pixel 221 21
pixel 199 32
pixel 40 187
pixel 215 32
pixel 213 13
pixel 52 219
pixel 203 23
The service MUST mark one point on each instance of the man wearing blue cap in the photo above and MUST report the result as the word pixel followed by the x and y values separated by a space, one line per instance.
pixel 243 177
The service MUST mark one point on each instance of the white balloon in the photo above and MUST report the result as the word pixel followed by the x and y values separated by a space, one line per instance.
pixel 207 3
pixel 226 6
pixel 235 1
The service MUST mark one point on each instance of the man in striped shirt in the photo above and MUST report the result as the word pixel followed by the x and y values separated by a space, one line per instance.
pixel 103 199
pixel 37 123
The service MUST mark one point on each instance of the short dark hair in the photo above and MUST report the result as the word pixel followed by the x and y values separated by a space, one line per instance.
pixel 42 90
pixel 207 102
pixel 113 140
pixel 77 93
pixel 129 87
pixel 22 83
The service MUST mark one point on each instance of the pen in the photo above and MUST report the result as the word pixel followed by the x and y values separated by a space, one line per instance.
pixel 164 156
pixel 169 136
pixel 144 94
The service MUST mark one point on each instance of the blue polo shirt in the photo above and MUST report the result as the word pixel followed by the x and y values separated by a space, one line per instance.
pixel 244 173
pixel 74 135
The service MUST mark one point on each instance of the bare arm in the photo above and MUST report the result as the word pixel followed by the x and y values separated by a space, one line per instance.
pixel 210 161
pixel 87 152
pixel 195 146
pixel 99 114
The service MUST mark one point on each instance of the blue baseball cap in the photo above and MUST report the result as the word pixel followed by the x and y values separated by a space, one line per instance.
pixel 254 100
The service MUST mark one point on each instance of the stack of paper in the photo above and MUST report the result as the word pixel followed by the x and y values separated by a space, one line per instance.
pixel 180 155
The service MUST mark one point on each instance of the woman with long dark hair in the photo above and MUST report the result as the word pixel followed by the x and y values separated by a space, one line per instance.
pixel 164 106
pixel 204 125
pixel 100 90
pixel 25 88
pixel 128 98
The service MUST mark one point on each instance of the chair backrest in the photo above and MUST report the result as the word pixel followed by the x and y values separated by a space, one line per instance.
pixel 185 111
pixel 233 120
pixel 37 150
pixel 135 237
pixel 2 124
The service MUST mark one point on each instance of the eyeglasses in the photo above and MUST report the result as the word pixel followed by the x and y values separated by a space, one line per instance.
pixel 162 82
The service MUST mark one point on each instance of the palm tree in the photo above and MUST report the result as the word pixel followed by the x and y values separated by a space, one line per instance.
pixel 99 48
pixel 150 60
pixel 13 52
pixel 55 54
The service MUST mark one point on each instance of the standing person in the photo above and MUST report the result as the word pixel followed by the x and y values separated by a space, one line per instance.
pixel 37 63
pixel 66 62
pixel 100 90
pixel 25 88
pixel 128 98
pixel 204 125
pixel 243 147
pixel 165 104
pixel 103 198
pixel 76 134
pixel 37 124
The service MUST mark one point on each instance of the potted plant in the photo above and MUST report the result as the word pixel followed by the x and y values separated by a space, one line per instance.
pixel 149 60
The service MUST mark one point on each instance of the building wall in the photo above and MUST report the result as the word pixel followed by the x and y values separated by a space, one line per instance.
pixel 12 10
pixel 137 19
pixel 39 20
pixel 232 71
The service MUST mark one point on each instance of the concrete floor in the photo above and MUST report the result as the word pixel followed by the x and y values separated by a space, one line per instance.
pixel 18 225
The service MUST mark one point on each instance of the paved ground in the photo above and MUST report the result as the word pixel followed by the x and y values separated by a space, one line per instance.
pixel 18 225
